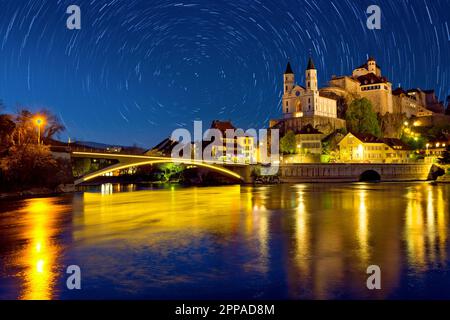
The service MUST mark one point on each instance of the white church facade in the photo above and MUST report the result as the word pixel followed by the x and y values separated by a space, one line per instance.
pixel 305 105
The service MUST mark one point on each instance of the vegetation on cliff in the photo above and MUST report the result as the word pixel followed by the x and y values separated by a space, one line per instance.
pixel 361 118
pixel 288 144
pixel 25 163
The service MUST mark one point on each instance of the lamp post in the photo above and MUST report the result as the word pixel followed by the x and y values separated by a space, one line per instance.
pixel 39 122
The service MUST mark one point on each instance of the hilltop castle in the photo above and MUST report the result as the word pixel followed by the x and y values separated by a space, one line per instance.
pixel 320 108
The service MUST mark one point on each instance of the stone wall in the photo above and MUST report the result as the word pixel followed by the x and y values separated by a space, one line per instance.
pixel 326 125
pixel 341 172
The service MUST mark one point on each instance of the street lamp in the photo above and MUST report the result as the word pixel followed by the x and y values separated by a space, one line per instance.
pixel 39 121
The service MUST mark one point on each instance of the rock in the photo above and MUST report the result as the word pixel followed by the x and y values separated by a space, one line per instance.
pixel 64 188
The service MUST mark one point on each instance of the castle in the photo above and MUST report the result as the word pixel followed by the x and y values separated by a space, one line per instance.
pixel 320 108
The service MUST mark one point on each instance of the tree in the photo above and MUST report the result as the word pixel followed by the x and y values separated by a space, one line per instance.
pixel 29 166
pixel 445 159
pixel 25 131
pixel 52 125
pixel 25 163
pixel 288 143
pixel 361 118
pixel 415 143
pixel 171 171
pixel 7 127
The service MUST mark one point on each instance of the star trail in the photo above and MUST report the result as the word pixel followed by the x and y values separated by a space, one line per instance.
pixel 138 69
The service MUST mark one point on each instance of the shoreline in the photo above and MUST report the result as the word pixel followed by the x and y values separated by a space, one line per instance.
pixel 45 192
pixel 38 192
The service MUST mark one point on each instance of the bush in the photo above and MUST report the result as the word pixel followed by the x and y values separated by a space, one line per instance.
pixel 32 166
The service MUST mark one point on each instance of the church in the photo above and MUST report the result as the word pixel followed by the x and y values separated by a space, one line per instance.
pixel 305 105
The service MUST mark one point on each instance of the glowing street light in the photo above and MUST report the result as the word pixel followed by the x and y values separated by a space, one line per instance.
pixel 39 122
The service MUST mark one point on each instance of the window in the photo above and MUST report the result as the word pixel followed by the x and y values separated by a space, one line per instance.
pixel 287 104
pixel 287 110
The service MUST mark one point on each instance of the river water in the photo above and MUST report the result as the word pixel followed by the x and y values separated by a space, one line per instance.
pixel 299 241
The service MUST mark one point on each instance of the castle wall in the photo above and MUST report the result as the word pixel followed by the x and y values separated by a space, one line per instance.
pixel 325 124
pixel 381 98
pixel 345 83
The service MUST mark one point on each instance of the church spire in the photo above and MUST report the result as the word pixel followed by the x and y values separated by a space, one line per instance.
pixel 288 69
pixel 310 64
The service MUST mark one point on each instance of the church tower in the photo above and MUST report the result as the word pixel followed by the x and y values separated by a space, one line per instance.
pixel 289 79
pixel 311 76
pixel 372 65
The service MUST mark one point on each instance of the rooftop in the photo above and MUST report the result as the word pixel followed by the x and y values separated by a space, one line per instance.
pixel 222 125
pixel 371 78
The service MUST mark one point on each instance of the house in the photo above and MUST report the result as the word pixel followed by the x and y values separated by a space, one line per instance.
pixel 309 140
pixel 368 148
pixel 232 148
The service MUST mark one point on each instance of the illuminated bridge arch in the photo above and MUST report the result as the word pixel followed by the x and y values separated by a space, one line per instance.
pixel 145 160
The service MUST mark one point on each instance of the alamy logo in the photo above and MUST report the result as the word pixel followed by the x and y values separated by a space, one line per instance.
pixel 74 20
pixel 228 146
pixel 74 280
pixel 374 20
pixel 374 280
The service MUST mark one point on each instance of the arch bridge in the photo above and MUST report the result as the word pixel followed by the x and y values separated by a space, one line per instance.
pixel 234 171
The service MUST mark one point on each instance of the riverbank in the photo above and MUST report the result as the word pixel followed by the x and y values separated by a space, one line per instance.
pixel 38 192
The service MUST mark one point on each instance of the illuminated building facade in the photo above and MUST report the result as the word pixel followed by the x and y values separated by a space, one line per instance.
pixel 238 148
pixel 370 149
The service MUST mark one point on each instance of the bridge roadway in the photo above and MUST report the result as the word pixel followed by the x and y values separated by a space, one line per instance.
pixel 239 172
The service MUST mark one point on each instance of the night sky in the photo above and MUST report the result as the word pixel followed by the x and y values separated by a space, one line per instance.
pixel 138 69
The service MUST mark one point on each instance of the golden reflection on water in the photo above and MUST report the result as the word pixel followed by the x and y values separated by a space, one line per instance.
pixel 321 237
pixel 363 227
pixel 38 257
pixel 426 227
pixel 109 216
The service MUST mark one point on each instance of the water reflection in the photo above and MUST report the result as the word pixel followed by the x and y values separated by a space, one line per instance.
pixel 426 227
pixel 34 260
pixel 363 227
pixel 282 241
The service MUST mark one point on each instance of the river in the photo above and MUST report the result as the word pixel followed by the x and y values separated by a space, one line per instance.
pixel 299 241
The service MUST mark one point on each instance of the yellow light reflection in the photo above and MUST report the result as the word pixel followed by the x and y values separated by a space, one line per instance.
pixel 431 225
pixel 442 211
pixel 363 227
pixel 426 232
pixel 415 239
pixel 38 257
pixel 125 214
pixel 302 234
